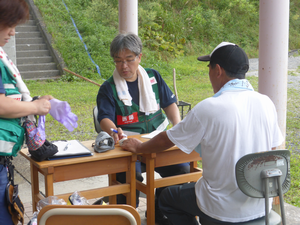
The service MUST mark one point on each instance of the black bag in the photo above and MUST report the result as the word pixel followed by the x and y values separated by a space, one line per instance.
pixel 44 152
pixel 39 148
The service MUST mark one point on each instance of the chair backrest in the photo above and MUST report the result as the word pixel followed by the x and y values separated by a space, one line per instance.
pixel 265 175
pixel 96 122
pixel 88 214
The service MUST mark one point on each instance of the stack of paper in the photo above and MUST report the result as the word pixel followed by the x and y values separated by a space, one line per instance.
pixel 72 148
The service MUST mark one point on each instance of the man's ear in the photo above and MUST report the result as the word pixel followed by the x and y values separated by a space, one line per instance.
pixel 219 70
pixel 140 57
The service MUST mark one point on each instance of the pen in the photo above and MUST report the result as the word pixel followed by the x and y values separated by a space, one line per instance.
pixel 115 131
pixel 67 146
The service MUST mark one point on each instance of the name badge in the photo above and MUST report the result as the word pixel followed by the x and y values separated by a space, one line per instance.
pixel 123 120
pixel 153 80
pixel 17 97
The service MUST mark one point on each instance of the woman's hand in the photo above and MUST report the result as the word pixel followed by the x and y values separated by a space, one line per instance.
pixel 47 97
pixel 42 105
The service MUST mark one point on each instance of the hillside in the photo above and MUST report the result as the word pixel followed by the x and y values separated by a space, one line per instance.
pixel 169 30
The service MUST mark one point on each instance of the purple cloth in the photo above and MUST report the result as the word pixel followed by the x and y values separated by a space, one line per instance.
pixel 61 111
pixel 36 136
pixel 40 130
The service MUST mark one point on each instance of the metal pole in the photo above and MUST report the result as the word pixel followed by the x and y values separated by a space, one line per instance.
pixel 273 55
pixel 128 16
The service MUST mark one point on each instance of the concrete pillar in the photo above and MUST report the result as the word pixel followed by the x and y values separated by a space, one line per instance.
pixel 273 55
pixel 273 60
pixel 10 49
pixel 128 16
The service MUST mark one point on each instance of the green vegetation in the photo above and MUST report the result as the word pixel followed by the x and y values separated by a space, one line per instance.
pixel 168 29
pixel 174 33
pixel 293 144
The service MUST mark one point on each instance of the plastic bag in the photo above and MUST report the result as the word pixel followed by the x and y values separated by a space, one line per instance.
pixel 51 200
pixel 33 220
pixel 76 199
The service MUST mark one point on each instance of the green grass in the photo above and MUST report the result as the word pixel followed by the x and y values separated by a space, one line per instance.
pixel 293 144
pixel 82 98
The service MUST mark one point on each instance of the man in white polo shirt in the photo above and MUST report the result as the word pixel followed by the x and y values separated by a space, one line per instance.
pixel 234 122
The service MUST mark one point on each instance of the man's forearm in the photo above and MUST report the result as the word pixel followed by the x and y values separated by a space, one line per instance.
pixel 106 124
pixel 172 112
pixel 159 143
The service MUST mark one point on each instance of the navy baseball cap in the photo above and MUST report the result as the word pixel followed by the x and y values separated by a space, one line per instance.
pixel 230 57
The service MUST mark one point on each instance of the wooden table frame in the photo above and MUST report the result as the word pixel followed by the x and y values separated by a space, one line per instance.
pixel 110 162
pixel 168 157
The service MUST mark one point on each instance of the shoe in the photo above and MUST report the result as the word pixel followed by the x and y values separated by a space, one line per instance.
pixel 160 218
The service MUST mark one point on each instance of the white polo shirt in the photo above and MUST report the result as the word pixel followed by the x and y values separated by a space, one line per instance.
pixel 228 127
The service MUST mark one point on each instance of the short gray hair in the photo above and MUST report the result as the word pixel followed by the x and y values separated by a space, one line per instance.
pixel 128 41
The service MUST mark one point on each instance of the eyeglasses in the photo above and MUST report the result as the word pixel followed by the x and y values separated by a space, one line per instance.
pixel 127 61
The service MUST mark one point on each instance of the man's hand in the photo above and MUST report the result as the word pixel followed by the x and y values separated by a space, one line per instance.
pixel 132 145
pixel 159 143
pixel 117 136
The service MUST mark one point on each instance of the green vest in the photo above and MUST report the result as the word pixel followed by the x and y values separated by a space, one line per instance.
pixel 11 133
pixel 130 118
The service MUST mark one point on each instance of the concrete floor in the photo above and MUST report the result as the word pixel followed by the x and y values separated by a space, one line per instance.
pixel 22 178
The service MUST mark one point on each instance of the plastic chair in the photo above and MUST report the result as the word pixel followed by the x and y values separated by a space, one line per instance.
pixel 96 122
pixel 88 214
pixel 264 175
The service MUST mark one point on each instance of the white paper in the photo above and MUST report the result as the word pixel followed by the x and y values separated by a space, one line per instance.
pixel 159 129
pixel 74 147
pixel 152 134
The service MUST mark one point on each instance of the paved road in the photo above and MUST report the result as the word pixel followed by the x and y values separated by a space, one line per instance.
pixel 293 67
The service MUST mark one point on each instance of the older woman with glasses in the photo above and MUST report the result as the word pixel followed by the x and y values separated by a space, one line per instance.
pixel 131 101
pixel 15 100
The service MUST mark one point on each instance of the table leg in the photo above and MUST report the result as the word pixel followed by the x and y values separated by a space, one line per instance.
pixel 131 179
pixel 111 180
pixel 193 165
pixel 49 185
pixel 34 185
pixel 150 189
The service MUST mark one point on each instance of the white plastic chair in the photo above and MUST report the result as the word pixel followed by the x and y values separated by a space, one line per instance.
pixel 88 214
pixel 264 175
pixel 96 122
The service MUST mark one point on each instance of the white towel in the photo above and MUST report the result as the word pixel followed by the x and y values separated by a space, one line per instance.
pixel 147 102
pixel 16 74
